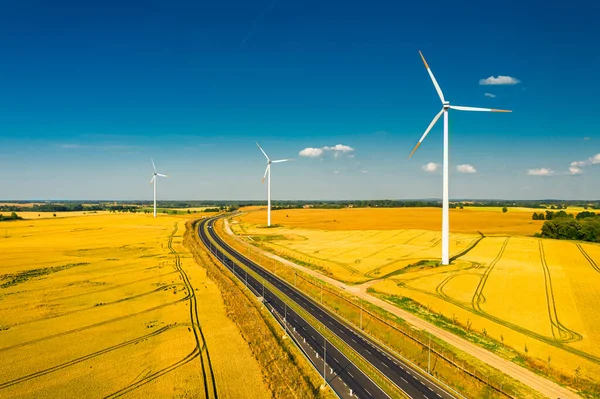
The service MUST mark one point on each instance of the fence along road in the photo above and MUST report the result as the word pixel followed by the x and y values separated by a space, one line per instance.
pixel 412 382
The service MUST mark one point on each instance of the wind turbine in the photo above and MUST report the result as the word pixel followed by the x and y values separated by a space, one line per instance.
pixel 153 180
pixel 445 201
pixel 268 172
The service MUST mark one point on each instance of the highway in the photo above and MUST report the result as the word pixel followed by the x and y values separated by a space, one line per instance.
pixel 345 374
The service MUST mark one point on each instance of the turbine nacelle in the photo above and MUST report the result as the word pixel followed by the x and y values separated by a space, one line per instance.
pixel 445 106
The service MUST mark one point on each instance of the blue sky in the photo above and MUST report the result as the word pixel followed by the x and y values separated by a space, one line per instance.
pixel 89 91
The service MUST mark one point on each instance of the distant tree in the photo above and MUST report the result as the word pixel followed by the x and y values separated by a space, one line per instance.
pixel 537 216
pixel 504 210
pixel 189 211
pixel 585 215
pixel 461 206
pixel 194 211
pixel 54 215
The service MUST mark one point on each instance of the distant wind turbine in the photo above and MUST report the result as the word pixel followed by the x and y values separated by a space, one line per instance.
pixel 153 180
pixel 268 172
pixel 445 201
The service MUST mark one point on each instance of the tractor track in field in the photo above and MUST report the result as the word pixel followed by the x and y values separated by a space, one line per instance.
pixel 112 287
pixel 129 298
pixel 471 246
pixel 565 337
pixel 478 297
pixel 559 331
pixel 149 378
pixel 588 258
pixel 92 326
pixel 201 349
pixel 89 356
pixel 412 238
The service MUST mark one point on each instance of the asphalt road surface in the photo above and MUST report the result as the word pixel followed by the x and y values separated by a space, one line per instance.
pixel 341 374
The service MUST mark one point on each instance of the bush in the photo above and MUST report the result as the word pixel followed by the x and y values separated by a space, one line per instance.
pixel 568 228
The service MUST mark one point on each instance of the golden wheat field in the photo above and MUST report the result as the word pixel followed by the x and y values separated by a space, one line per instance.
pixel 113 304
pixel 524 291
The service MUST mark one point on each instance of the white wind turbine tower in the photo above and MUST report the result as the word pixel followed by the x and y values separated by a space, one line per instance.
pixel 445 201
pixel 268 172
pixel 153 180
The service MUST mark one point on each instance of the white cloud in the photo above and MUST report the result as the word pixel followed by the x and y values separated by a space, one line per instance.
pixel 339 147
pixel 586 138
pixel 575 166
pixel 311 152
pixel 500 80
pixel 336 150
pixel 336 172
pixel 364 171
pixel 540 172
pixel 70 146
pixel 431 167
pixel 466 169
pixel 490 95
pixel 575 170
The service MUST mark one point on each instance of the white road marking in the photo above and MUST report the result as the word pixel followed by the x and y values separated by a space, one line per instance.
pixel 368 392
pixel 404 380
pixel 386 365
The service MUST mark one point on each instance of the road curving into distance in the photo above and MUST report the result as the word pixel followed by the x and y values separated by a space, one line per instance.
pixel 341 373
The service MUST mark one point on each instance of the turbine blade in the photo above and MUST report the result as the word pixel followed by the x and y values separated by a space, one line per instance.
pixel 152 180
pixel 435 83
pixel 461 108
pixel 153 166
pixel 266 171
pixel 260 148
pixel 433 122
pixel 283 160
pixel 161 175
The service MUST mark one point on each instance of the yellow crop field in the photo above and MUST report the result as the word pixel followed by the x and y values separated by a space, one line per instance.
pixel 50 215
pixel 113 304
pixel 537 296
pixel 468 220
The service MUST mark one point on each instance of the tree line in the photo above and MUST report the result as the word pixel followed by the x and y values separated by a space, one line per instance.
pixel 585 226
pixel 12 216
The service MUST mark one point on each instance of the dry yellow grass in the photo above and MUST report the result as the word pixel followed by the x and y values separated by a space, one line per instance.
pixel 97 306
pixel 524 291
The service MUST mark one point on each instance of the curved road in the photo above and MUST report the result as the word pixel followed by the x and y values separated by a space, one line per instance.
pixel 411 382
